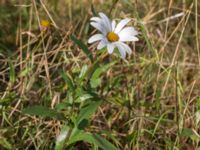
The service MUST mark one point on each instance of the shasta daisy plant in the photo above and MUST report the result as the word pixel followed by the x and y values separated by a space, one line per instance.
pixel 113 35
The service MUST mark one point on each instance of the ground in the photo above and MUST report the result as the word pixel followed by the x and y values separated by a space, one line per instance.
pixel 50 77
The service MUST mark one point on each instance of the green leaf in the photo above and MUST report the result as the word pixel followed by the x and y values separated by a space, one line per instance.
pixel 102 69
pixel 68 80
pixel 63 106
pixel 8 98
pixel 93 10
pixel 92 69
pixel 83 98
pixel 197 115
pixel 12 72
pixel 83 47
pixel 83 71
pixel 187 132
pixel 43 112
pixel 4 143
pixel 198 103
pixel 88 111
pixel 77 135
pixel 60 140
pixel 103 143
pixel 25 72
pixel 95 82
pixel 96 79
pixel 95 139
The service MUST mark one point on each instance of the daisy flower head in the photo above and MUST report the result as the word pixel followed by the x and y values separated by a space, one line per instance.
pixel 113 35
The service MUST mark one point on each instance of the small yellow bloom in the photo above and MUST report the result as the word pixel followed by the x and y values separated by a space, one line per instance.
pixel 45 23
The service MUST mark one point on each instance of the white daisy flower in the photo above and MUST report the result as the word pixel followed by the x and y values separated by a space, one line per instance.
pixel 113 36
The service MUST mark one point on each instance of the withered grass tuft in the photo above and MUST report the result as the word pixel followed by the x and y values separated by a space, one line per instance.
pixel 151 100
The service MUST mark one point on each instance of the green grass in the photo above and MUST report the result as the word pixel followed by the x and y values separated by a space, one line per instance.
pixel 52 82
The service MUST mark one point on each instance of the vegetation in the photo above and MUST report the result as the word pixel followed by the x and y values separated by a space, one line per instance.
pixel 58 92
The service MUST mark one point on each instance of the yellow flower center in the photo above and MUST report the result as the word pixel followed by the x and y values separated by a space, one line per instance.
pixel 45 23
pixel 112 37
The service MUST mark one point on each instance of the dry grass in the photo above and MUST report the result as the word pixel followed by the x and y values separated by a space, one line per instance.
pixel 151 99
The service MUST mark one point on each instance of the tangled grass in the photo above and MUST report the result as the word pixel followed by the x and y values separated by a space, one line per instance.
pixel 150 100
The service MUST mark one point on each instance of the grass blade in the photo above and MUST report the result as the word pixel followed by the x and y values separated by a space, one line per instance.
pixel 83 47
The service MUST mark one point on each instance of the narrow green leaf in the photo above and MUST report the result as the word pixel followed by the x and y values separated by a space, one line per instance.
pixel 95 82
pixel 12 72
pixel 8 98
pixel 95 139
pixel 95 79
pixel 187 132
pixel 68 81
pixel 25 72
pixel 60 140
pixel 92 69
pixel 198 103
pixel 43 112
pixel 4 143
pixel 88 111
pixel 197 115
pixel 93 10
pixel 83 97
pixel 103 143
pixel 83 47
pixel 63 106
pixel 83 71
pixel 79 135
pixel 102 69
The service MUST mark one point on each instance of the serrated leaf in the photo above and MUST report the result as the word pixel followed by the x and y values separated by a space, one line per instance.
pixel 83 47
pixel 43 112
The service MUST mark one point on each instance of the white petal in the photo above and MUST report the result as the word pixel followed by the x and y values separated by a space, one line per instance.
pixel 126 47
pixel 110 48
pixel 128 31
pixel 121 49
pixel 124 38
pixel 95 38
pixel 99 27
pixel 101 44
pixel 113 25
pixel 128 34
pixel 121 24
pixel 97 19
pixel 107 22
